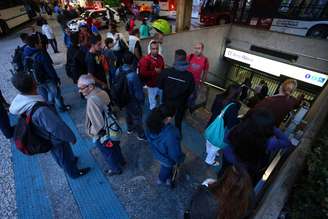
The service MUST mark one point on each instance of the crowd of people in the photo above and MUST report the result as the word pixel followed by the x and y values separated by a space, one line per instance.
pixel 112 73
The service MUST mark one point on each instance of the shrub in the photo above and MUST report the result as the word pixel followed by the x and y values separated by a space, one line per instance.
pixel 309 198
pixel 112 3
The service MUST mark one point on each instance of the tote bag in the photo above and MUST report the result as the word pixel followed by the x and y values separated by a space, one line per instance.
pixel 215 131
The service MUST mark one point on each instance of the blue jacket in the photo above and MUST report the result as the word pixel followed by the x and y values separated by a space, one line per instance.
pixel 278 141
pixel 135 86
pixel 67 40
pixel 44 59
pixel 166 145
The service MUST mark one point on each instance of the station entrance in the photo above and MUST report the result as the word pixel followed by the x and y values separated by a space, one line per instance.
pixel 237 73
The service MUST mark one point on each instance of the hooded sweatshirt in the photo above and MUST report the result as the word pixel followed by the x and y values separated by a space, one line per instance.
pixel 177 84
pixel 46 63
pixel 166 145
pixel 45 118
pixel 147 65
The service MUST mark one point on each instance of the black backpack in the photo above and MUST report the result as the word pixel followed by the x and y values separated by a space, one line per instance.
pixel 33 67
pixel 120 89
pixel 26 135
pixel 18 59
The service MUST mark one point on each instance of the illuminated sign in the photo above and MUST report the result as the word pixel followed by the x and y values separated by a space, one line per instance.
pixel 277 68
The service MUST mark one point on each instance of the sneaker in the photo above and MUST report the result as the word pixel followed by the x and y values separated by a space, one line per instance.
pixel 112 173
pixel 129 132
pixel 82 172
pixel 167 183
pixel 65 108
pixel 159 182
pixel 216 164
pixel 141 138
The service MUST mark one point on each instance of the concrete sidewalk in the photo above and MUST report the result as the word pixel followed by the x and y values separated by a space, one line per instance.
pixel 42 190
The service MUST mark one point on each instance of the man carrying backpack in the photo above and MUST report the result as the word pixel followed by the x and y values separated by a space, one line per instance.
pixel 134 95
pixel 18 58
pixel 101 124
pixel 39 64
pixel 46 124
pixel 177 84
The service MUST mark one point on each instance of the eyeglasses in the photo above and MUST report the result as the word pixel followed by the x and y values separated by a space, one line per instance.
pixel 83 88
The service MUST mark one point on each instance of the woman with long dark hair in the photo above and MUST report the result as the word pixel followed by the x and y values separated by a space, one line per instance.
pixel 230 197
pixel 230 95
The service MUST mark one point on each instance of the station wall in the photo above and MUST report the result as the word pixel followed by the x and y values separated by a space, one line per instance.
pixel 312 53
pixel 214 43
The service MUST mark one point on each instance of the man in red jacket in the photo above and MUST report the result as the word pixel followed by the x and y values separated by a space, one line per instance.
pixel 149 68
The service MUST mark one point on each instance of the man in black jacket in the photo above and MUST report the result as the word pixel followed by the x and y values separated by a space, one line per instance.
pixel 75 64
pixel 177 85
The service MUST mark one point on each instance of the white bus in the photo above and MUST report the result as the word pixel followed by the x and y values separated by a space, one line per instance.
pixel 302 18
pixel 12 14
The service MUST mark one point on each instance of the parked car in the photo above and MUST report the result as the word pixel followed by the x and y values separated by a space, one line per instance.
pixel 101 17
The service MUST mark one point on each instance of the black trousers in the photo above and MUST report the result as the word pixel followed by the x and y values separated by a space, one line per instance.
pixel 53 44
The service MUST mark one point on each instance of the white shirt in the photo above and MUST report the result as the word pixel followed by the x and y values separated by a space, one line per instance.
pixel 47 30
pixel 132 43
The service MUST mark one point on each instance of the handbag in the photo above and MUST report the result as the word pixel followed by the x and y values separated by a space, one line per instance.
pixel 215 132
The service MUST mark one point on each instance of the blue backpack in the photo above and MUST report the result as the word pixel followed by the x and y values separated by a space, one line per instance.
pixel 215 132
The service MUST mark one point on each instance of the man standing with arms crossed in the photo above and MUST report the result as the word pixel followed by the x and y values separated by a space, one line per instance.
pixel 150 67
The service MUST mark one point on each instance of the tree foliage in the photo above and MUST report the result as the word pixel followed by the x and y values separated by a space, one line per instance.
pixel 112 3
pixel 310 195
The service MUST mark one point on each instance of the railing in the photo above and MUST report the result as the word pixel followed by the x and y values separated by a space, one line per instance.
pixel 277 159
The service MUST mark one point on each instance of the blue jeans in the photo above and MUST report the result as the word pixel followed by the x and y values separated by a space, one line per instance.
pixel 134 118
pixel 63 155
pixel 165 173
pixel 152 93
pixel 112 155
pixel 51 92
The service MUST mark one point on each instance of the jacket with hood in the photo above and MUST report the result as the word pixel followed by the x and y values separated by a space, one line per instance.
pixel 45 61
pixel 147 65
pixel 177 84
pixel 166 145
pixel 45 118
